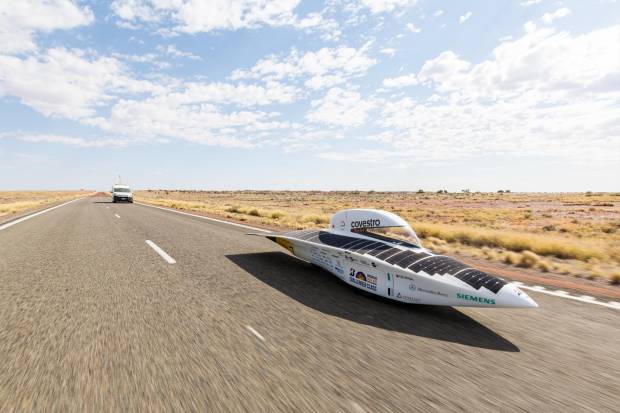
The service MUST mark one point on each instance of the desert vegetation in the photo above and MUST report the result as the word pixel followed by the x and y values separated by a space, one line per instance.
pixel 572 234
pixel 16 202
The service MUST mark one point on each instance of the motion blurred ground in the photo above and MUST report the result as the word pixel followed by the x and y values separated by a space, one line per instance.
pixel 572 234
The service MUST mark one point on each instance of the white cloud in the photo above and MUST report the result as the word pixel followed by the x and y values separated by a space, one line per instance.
pixel 178 116
pixel 547 93
pixel 438 13
pixel 464 17
pixel 325 67
pixel 21 20
pixel 401 81
pixel 61 82
pixel 70 140
pixel 205 113
pixel 340 107
pixel 240 95
pixel 388 51
pixel 195 16
pixel 380 6
pixel 201 16
pixel 528 3
pixel 412 28
pixel 558 14
pixel 324 81
pixel 172 51
pixel 443 70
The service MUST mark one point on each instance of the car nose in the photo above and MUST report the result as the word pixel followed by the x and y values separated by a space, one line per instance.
pixel 512 296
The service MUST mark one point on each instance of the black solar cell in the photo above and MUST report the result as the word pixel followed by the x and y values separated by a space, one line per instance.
pixel 378 250
pixel 481 280
pixel 353 245
pixel 409 259
pixel 369 247
pixel 388 253
pixel 333 240
pixel 361 245
pixel 417 266
pixel 309 235
pixel 495 284
pixel 397 257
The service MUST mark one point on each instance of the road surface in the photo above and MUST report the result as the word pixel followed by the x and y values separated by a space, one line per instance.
pixel 92 317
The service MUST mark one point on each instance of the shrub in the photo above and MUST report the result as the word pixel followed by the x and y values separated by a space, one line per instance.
pixel 254 212
pixel 315 219
pixel 512 258
pixel 529 259
pixel 234 209
pixel 615 279
pixel 276 215
pixel 511 241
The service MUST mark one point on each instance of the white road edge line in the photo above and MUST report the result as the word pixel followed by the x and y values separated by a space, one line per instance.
pixel 563 294
pixel 256 333
pixel 117 216
pixel 22 219
pixel 161 252
pixel 203 217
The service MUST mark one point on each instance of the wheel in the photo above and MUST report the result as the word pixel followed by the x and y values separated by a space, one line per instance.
pixel 114 200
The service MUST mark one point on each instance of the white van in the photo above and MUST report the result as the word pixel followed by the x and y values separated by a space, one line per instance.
pixel 121 193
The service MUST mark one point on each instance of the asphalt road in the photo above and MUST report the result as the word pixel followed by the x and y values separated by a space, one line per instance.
pixel 92 318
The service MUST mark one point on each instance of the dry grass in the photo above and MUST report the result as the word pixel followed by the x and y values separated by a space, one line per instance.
pixel 16 202
pixel 574 234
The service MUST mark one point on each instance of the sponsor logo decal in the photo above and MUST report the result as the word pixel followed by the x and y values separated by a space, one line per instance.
pixel 407 297
pixel 363 280
pixel 412 287
pixel 368 223
pixel 404 277
pixel 338 268
pixel 475 298
pixel 433 292
pixel 342 224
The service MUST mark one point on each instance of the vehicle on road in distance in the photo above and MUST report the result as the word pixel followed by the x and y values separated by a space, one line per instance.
pixel 121 193
pixel 377 251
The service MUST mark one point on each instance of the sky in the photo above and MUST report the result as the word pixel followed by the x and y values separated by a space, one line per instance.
pixel 289 94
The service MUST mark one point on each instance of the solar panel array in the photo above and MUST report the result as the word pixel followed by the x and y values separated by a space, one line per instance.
pixel 414 261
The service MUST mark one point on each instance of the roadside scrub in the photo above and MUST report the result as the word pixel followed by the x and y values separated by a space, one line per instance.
pixel 16 202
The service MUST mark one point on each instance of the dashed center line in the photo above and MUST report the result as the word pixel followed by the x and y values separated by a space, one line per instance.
pixel 117 216
pixel 161 252
pixel 256 333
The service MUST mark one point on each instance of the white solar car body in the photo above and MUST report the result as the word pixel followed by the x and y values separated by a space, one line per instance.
pixel 377 251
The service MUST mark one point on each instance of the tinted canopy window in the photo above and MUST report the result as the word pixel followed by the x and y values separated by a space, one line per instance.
pixel 121 190
pixel 400 235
